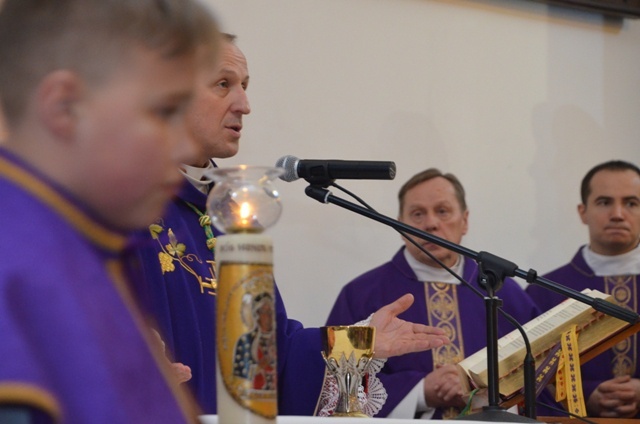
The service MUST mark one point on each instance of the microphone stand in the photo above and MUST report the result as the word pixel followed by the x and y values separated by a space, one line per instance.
pixel 492 271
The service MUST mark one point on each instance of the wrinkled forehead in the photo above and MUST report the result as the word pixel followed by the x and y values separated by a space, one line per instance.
pixel 431 192
pixel 228 63
pixel 231 60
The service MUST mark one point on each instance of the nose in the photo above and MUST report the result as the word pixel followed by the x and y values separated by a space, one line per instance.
pixel 241 104
pixel 430 223
pixel 617 211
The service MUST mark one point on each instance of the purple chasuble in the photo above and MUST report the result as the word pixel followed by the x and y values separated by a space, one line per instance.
pixel 73 343
pixel 384 284
pixel 178 295
pixel 579 276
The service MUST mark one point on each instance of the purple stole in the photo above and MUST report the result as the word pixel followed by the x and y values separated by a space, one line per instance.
pixel 624 290
pixel 443 312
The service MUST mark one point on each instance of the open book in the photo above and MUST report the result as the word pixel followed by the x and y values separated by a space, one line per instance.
pixel 595 331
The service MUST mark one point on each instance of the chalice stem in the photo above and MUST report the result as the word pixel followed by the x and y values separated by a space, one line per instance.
pixel 348 394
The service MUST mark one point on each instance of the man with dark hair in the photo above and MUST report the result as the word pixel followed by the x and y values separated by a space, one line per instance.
pixel 428 384
pixel 610 208
pixel 94 94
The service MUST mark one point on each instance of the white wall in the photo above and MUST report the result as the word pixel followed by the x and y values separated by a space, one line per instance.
pixel 517 98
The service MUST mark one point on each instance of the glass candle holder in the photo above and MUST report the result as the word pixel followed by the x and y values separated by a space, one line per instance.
pixel 244 199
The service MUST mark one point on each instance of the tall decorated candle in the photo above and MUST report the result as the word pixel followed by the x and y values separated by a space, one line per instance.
pixel 243 203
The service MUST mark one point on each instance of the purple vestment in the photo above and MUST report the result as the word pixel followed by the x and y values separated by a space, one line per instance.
pixel 185 309
pixel 579 276
pixel 72 340
pixel 384 284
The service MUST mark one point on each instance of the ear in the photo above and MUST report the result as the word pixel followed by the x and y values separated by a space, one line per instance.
pixel 582 211
pixel 56 99
pixel 465 220
pixel 4 131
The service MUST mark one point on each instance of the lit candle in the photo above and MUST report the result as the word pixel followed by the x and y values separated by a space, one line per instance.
pixel 243 204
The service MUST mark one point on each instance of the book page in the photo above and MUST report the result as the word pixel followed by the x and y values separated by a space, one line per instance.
pixel 535 329
pixel 543 332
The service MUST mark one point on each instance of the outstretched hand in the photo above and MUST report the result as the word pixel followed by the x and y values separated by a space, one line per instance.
pixel 395 336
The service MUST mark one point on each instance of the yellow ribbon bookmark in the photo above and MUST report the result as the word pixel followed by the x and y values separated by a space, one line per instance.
pixel 568 377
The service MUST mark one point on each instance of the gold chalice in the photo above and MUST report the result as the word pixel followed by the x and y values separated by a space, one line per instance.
pixel 347 351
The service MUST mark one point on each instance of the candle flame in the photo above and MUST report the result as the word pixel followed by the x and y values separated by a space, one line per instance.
pixel 245 213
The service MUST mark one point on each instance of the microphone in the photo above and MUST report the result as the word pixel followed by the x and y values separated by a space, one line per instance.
pixel 318 171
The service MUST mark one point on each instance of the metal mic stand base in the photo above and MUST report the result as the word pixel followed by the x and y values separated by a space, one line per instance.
pixel 493 414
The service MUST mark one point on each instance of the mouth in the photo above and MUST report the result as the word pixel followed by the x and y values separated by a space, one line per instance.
pixel 235 128
pixel 616 229
pixel 429 246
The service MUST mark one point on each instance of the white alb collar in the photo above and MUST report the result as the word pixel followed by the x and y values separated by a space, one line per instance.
pixel 199 177
pixel 625 264
pixel 425 272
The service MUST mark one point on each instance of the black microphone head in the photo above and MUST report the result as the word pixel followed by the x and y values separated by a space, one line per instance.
pixel 290 165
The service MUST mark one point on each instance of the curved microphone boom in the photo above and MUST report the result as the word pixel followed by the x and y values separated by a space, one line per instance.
pixel 324 171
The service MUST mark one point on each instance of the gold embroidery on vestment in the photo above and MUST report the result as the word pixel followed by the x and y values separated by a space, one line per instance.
pixel 173 252
pixel 623 288
pixel 443 312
